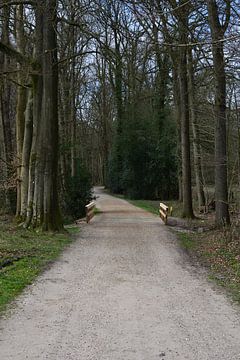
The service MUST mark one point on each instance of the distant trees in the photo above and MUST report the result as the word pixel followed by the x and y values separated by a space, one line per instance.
pixel 142 162
pixel 161 25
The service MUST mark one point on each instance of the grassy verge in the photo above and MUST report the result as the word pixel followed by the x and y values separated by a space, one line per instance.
pixel 219 251
pixel 153 205
pixel 23 255
pixel 148 205
pixel 97 211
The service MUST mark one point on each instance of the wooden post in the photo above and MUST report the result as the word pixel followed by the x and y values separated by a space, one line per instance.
pixel 90 211
pixel 163 212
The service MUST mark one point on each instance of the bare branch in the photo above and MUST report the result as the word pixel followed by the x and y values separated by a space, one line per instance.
pixel 9 50
pixel 19 2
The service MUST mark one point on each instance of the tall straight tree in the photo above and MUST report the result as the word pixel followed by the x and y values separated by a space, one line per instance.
pixel 34 202
pixel 182 15
pixel 51 215
pixel 195 132
pixel 185 137
pixel 21 100
pixel 217 31
pixel 5 115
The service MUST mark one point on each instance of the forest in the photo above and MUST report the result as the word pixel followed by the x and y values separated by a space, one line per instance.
pixel 142 97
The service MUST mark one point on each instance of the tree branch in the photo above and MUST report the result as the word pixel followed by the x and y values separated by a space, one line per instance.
pixel 9 50
pixel 228 15
pixel 19 2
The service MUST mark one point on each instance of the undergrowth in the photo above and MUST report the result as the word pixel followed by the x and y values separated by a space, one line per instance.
pixel 219 250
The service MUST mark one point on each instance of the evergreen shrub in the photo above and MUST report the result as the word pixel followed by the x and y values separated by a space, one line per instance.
pixel 77 193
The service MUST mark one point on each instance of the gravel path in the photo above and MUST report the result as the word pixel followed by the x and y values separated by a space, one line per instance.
pixel 122 291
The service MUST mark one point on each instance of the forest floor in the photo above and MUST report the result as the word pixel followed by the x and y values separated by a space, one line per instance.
pixel 123 290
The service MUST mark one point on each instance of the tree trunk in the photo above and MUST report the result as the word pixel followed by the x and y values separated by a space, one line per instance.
pixel 5 111
pixel 177 107
pixel 35 185
pixel 119 108
pixel 73 122
pixel 195 129
pixel 51 216
pixel 105 122
pixel 185 136
pixel 21 104
pixel 26 149
pixel 221 186
pixel 62 131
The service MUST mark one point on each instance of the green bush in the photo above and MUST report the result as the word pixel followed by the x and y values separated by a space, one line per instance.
pixel 77 193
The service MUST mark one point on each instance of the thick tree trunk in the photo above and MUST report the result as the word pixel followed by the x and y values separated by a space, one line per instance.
pixel 119 108
pixel 35 158
pixel 73 122
pixel 35 186
pixel 72 101
pixel 26 149
pixel 105 121
pixel 21 104
pixel 195 130
pixel 162 79
pixel 51 217
pixel 5 111
pixel 185 136
pixel 177 107
pixel 62 131
pixel 3 164
pixel 238 132
pixel 221 186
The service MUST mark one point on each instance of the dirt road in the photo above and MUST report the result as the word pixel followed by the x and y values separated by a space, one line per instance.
pixel 122 291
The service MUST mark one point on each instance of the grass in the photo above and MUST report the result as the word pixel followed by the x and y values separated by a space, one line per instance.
pixel 97 211
pixel 219 251
pixel 187 242
pixel 153 205
pixel 24 254
pixel 72 229
pixel 148 205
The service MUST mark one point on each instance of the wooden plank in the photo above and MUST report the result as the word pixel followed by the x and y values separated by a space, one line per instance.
pixel 163 215
pixel 89 217
pixel 163 212
pixel 164 207
pixel 90 211
pixel 91 205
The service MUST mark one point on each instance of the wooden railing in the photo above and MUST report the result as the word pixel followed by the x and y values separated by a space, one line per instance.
pixel 90 208
pixel 164 212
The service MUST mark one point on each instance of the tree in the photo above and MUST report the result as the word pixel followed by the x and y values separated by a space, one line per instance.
pixel 217 31
pixel 195 130
pixel 42 111
pixel 182 15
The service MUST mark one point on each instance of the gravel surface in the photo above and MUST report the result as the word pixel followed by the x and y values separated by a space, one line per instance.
pixel 122 291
